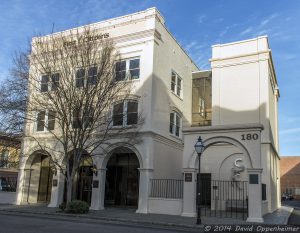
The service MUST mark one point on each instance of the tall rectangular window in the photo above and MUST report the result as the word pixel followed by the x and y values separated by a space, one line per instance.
pixel 80 78
pixel 88 117
pixel 129 68
pixel 4 159
pixel 76 119
pixel 51 120
pixel 132 113
pixel 40 126
pixel 54 81
pixel 120 70
pixel 175 124
pixel 44 83
pixel 176 84
pixel 118 114
pixel 92 76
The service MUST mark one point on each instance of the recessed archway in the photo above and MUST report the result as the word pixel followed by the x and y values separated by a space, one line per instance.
pixel 39 167
pixel 122 178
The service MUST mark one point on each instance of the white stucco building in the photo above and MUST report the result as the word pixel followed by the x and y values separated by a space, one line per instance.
pixel 233 107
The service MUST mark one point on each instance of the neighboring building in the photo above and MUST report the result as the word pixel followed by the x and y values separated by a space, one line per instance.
pixel 233 107
pixel 290 175
pixel 9 161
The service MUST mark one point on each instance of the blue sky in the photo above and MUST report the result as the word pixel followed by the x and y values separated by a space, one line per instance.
pixel 196 24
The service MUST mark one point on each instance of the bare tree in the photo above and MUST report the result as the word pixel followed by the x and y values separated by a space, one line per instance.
pixel 72 87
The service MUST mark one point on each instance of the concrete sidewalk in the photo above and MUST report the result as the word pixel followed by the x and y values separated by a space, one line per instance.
pixel 128 216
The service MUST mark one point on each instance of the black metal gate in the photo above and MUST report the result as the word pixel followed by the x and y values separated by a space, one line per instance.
pixel 224 198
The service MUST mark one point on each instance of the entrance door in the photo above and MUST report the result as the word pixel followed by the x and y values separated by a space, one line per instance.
pixel 122 179
pixel 205 189
pixel 45 183
pixel 84 184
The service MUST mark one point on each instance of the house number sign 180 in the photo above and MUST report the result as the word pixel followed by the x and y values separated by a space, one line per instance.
pixel 249 136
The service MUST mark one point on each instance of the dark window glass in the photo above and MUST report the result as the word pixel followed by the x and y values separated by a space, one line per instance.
pixel 134 64
pixel 55 81
pixel 132 113
pixel 171 123
pixel 92 76
pixel 4 159
pixel 173 81
pixel 41 121
pixel 88 117
pixel 120 70
pixel 178 86
pixel 118 114
pixel 134 68
pixel 177 125
pixel 44 83
pixel 51 120
pixel 80 78
pixel 76 119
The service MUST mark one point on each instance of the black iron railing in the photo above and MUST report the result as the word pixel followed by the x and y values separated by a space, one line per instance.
pixel 166 188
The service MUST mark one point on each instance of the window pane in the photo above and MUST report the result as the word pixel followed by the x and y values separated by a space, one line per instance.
pixel 178 87
pixel 134 64
pixel 92 76
pixel 177 131
pixel 177 120
pixel 118 108
pixel 120 66
pixel 132 107
pixel 134 74
pixel 173 81
pixel 44 83
pixel 132 113
pixel 132 118
pixel 171 128
pixel 88 117
pixel 51 120
pixel 120 76
pixel 173 77
pixel 80 78
pixel 76 120
pixel 40 121
pixel 118 114
pixel 55 81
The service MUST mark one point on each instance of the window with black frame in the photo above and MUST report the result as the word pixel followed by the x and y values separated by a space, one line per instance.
pixel 128 69
pixel 125 113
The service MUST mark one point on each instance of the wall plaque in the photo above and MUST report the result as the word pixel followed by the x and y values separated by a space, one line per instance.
pixel 188 177
pixel 54 183
pixel 95 183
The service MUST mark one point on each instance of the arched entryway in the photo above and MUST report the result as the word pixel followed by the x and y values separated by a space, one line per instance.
pixel 122 178
pixel 82 183
pixel 39 176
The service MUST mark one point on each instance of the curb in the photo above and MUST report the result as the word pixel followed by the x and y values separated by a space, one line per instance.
pixel 290 211
pixel 106 219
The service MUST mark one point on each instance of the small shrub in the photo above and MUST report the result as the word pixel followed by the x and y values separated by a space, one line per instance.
pixel 77 207
pixel 62 206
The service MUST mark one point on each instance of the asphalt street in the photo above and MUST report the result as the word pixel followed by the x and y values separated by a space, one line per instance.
pixel 28 224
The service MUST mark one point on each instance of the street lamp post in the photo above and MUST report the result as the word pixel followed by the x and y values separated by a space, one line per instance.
pixel 199 148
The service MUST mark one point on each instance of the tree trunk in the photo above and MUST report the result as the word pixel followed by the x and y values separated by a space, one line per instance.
pixel 69 190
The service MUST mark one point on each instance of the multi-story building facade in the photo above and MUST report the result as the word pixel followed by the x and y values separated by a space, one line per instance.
pixel 233 107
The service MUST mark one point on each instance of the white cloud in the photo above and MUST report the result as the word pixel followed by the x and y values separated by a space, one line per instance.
pixel 246 31
pixel 289 131
pixel 267 20
pixel 201 18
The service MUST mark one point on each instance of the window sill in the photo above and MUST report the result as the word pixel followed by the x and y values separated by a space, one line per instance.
pixel 177 95
pixel 176 137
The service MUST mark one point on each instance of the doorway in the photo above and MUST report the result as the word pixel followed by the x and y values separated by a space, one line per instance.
pixel 45 181
pixel 122 180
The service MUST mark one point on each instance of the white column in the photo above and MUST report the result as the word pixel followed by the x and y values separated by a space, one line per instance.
pixel 57 192
pixel 144 189
pixel 254 195
pixel 98 190
pixel 189 192
pixel 20 188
